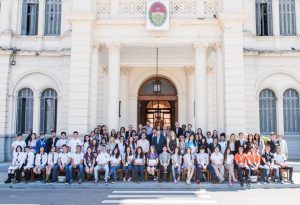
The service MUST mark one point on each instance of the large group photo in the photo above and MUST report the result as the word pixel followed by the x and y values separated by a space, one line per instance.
pixel 151 154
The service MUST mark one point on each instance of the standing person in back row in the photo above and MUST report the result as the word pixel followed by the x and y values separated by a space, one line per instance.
pixel 52 141
pixel 148 127
pixel 178 130
pixel 72 144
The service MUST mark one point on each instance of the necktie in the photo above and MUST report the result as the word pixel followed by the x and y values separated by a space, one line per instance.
pixel 41 160
pixel 52 158
pixel 26 161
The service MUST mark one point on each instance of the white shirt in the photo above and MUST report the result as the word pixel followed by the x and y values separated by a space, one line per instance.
pixel 85 146
pixel 60 143
pixel 115 161
pixel 17 143
pixel 144 144
pixel 223 146
pixel 64 158
pixel 229 159
pixel 73 144
pixel 77 158
pixel 30 159
pixel 129 159
pixel 52 158
pixel 209 140
pixel 280 158
pixel 103 158
pixel 41 159
pixel 284 147
pixel 217 158
pixel 17 159
pixel 202 159
pixel 188 159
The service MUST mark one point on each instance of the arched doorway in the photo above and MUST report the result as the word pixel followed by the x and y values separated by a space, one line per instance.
pixel 160 109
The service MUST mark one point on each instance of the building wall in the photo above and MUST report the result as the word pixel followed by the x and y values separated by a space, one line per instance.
pixel 249 63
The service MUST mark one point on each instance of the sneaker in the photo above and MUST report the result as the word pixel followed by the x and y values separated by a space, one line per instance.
pixel 198 181
pixel 291 181
pixel 124 179
pixel 129 179
pixel 70 182
pixel 175 181
pixel 155 179
pixel 79 181
pixel 234 179
pixel 265 182
pixel 248 184
pixel 268 181
pixel 106 182
pixel 230 183
pixel 112 182
pixel 96 181
pixel 242 183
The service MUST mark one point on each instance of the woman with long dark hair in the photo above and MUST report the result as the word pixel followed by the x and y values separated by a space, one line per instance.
pixel 115 163
pixel 127 161
pixel 139 165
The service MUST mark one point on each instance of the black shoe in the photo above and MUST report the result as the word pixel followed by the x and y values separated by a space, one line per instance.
pixel 8 181
pixel 248 183
pixel 242 183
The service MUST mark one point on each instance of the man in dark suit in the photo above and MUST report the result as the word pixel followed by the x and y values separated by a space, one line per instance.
pixel 129 131
pixel 178 130
pixel 159 142
pixel 51 142
pixel 241 142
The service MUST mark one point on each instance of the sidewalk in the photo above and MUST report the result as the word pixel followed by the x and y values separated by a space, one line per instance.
pixel 145 185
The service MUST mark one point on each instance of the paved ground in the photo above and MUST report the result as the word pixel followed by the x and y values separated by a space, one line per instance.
pixel 186 197
pixel 148 193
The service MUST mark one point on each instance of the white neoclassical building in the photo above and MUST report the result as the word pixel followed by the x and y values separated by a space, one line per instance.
pixel 229 65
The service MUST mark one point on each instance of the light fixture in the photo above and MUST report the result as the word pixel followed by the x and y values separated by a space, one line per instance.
pixel 13 60
pixel 156 82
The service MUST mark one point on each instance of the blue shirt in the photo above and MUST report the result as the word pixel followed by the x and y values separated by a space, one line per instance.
pixel 40 143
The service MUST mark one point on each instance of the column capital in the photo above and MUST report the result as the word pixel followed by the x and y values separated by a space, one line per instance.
pixel 200 46
pixel 217 46
pixel 189 70
pixel 124 71
pixel 113 45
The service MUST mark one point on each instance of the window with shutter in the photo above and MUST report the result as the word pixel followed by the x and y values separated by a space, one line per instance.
pixel 267 111
pixel 287 17
pixel 291 112
pixel 264 25
pixel 24 111
pixel 48 111
pixel 52 17
pixel 30 11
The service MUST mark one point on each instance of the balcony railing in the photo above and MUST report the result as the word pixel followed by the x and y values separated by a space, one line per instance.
pixel 114 9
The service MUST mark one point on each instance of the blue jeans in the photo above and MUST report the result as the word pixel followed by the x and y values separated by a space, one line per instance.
pixel 80 167
pixel 139 169
pixel 212 172
pixel 127 170
pixel 240 173
pixel 55 172
pixel 66 168
pixel 113 171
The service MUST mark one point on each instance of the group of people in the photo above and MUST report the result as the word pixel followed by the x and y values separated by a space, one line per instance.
pixel 165 153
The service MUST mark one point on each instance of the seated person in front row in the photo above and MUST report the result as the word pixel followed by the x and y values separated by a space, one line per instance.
pixel 188 164
pixel 127 161
pixel 16 165
pixel 217 161
pixel 202 162
pixel 152 161
pixel 115 164
pixel 253 160
pixel 165 166
pixel 269 166
pixel 280 162
pixel 64 160
pixel 241 164
pixel 176 164
pixel 28 163
pixel 229 165
pixel 76 163
pixel 89 161
pixel 102 164
pixel 139 165
pixel 40 162
pixel 52 165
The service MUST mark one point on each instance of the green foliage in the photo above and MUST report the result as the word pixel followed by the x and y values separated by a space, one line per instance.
pixel 265 138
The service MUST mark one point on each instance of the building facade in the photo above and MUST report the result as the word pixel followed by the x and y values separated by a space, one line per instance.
pixel 229 65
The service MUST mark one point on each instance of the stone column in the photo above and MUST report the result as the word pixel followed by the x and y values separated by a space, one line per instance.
pixel 4 82
pixel 65 11
pixel 190 95
pixel 297 10
pixel 5 17
pixel 94 76
pixel 41 18
pixel 232 19
pixel 36 113
pixel 220 87
pixel 79 95
pixel 275 12
pixel 113 77
pixel 124 97
pixel 200 85
pixel 280 118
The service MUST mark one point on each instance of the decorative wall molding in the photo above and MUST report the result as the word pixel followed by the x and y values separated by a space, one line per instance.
pixel 109 9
